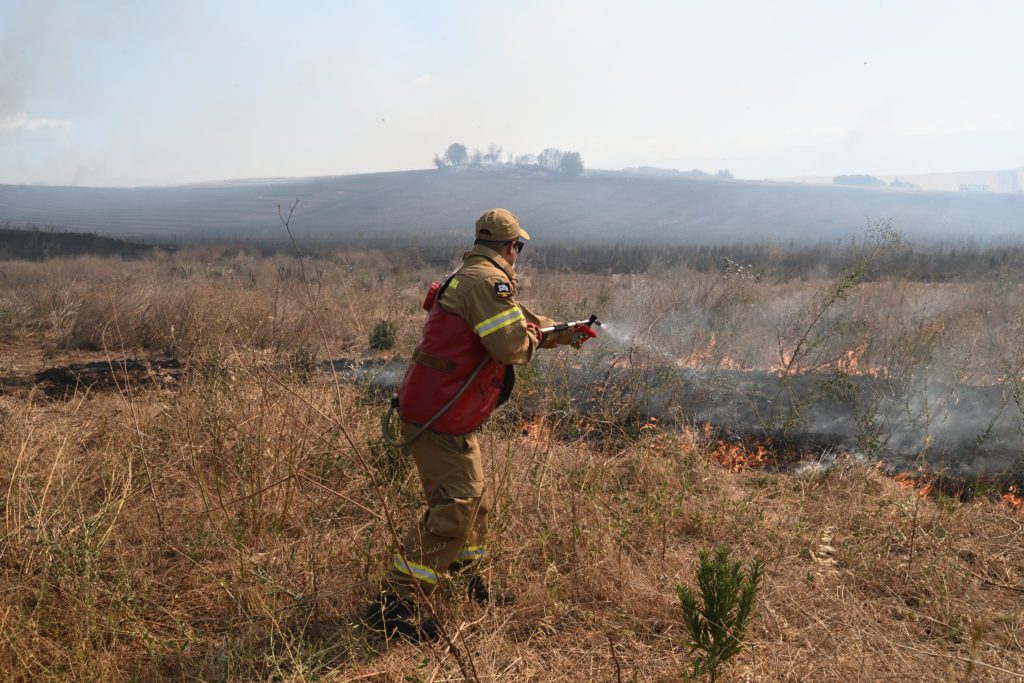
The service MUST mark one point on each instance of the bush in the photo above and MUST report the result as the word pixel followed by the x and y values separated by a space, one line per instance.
pixel 383 335
pixel 727 595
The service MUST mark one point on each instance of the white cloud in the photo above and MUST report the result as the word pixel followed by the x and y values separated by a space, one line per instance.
pixel 423 80
pixel 21 121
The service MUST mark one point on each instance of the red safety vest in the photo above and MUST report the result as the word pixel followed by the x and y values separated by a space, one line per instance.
pixel 445 358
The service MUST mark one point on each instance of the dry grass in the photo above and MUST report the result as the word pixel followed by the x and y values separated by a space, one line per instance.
pixel 197 299
pixel 221 531
pixel 200 298
pixel 224 529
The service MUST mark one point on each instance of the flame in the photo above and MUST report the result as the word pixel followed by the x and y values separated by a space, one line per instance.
pixel 913 480
pixel 925 485
pixel 850 362
pixel 784 367
pixel 733 455
pixel 905 480
pixel 738 457
pixel 705 357
pixel 1014 498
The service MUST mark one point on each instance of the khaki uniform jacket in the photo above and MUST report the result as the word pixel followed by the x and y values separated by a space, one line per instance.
pixel 483 293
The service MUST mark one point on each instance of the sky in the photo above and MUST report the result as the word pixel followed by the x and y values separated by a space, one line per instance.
pixel 112 93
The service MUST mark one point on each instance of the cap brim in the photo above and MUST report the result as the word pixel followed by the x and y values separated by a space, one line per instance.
pixel 523 234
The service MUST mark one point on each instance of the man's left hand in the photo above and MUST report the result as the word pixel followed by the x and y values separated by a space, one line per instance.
pixel 580 334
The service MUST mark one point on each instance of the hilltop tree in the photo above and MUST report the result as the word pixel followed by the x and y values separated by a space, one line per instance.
pixel 550 158
pixel 455 154
pixel 571 164
pixel 493 154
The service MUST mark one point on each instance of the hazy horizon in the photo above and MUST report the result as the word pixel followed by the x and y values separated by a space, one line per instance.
pixel 128 94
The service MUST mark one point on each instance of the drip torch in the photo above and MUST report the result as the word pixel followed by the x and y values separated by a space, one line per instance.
pixel 561 327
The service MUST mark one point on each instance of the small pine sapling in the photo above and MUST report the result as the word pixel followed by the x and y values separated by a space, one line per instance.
pixel 383 335
pixel 718 622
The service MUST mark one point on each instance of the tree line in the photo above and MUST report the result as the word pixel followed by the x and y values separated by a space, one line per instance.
pixel 566 163
pixel 935 261
pixel 860 180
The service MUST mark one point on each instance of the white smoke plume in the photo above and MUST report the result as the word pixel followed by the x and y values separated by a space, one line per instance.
pixel 21 121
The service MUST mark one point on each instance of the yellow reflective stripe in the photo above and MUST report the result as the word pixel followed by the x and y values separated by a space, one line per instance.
pixel 417 571
pixel 496 322
pixel 453 284
pixel 497 318
pixel 472 552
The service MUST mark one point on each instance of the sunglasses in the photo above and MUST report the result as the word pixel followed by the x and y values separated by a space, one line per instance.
pixel 519 246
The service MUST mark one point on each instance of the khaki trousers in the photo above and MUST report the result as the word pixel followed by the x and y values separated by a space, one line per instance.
pixel 450 535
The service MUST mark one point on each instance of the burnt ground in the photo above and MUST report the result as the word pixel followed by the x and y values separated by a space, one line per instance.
pixel 973 435
pixel 37 245
pixel 962 432
pixel 67 380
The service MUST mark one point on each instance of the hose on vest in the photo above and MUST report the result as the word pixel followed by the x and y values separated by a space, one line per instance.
pixel 386 420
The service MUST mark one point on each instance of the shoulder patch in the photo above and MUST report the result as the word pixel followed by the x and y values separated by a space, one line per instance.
pixel 503 290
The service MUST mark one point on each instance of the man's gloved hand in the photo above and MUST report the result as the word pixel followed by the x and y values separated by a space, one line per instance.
pixel 580 334
pixel 536 332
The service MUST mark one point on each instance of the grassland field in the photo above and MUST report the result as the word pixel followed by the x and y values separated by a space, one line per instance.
pixel 226 520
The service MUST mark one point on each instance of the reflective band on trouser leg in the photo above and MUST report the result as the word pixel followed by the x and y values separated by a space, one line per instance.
pixel 496 322
pixel 417 571
pixel 471 552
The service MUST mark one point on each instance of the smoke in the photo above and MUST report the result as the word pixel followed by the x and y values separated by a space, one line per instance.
pixel 625 336
pixel 21 121
pixel 907 373
pixel 35 51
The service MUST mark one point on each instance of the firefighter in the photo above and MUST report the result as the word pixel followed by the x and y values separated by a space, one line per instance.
pixel 476 332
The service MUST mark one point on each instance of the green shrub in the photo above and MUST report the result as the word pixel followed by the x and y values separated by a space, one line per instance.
pixel 383 335
pixel 718 624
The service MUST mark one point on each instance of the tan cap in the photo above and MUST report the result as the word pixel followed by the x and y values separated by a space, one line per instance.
pixel 499 225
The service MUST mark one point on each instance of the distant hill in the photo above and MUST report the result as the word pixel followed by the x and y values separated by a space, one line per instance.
pixel 995 181
pixel 599 206
pixel 1005 182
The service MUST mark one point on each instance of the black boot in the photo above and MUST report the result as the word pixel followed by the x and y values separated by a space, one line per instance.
pixel 482 595
pixel 392 616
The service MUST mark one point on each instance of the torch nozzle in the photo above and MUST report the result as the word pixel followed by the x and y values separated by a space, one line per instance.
pixel 559 327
